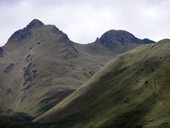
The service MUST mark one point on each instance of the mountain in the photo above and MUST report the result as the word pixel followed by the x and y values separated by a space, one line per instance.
pixel 114 38
pixel 131 91
pixel 115 42
pixel 27 67
pixel 40 66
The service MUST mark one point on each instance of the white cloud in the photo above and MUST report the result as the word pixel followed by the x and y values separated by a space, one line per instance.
pixel 83 21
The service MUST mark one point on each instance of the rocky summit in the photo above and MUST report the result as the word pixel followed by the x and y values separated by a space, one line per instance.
pixel 114 39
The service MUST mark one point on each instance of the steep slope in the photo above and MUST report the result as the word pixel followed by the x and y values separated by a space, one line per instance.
pixel 131 91
pixel 40 66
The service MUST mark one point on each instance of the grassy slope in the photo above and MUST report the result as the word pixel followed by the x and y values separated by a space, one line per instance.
pixel 131 91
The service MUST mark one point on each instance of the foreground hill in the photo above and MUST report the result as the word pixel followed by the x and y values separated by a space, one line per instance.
pixel 40 65
pixel 131 91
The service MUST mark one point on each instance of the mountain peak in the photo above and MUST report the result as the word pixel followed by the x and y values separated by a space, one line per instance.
pixel 35 23
pixel 117 32
pixel 114 38
pixel 25 32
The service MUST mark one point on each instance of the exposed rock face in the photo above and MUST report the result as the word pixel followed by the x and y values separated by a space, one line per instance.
pixel 115 38
pixel 20 35
pixel 35 23
pixel 9 68
pixel 25 32
pixel 1 52
pixel 63 37
pixel 30 73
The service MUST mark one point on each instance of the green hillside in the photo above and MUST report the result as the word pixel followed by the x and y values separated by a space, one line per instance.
pixel 131 91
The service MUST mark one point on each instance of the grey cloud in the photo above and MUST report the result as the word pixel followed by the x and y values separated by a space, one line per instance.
pixel 8 2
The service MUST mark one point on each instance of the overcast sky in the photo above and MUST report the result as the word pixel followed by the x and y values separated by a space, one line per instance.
pixel 84 20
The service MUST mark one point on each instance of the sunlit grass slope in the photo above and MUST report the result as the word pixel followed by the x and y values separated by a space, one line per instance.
pixel 131 91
